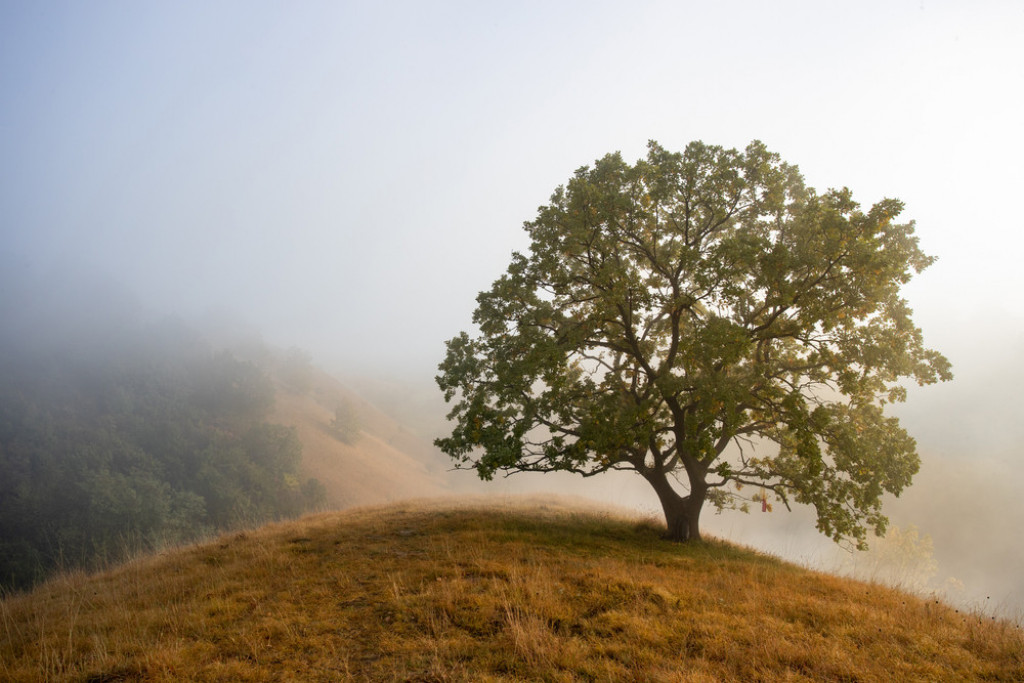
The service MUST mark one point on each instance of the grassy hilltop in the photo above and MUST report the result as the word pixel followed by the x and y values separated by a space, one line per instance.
pixel 449 591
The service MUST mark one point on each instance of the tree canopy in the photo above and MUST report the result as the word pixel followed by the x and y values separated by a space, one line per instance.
pixel 710 322
pixel 118 436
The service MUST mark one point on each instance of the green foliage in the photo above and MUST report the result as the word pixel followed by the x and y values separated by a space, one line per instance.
pixel 226 386
pixel 147 444
pixel 347 424
pixel 703 314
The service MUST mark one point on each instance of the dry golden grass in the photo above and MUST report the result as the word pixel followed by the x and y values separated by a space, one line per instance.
pixel 470 592
pixel 385 464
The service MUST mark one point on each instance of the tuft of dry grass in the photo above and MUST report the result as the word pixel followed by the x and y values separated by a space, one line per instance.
pixel 474 592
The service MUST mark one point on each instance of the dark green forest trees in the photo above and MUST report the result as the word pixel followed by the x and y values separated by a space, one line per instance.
pixel 346 424
pixel 125 438
pixel 708 321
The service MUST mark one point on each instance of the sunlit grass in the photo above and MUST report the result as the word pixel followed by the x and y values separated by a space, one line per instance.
pixel 464 592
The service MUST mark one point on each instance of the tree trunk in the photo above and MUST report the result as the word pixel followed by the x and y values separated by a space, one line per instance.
pixel 682 513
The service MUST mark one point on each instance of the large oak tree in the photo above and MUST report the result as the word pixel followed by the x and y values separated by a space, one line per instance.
pixel 710 322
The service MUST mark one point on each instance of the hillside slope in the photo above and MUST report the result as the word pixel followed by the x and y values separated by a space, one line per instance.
pixel 384 462
pixel 447 591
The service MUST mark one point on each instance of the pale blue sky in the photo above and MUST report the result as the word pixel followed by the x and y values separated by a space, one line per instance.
pixel 347 176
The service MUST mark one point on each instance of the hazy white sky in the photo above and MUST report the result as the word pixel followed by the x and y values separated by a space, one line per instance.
pixel 347 176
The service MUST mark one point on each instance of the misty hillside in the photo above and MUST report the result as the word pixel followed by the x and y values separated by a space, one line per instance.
pixel 444 591
pixel 121 433
pixel 371 459
pixel 134 446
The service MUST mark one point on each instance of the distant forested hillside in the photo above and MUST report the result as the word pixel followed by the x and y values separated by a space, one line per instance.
pixel 119 434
